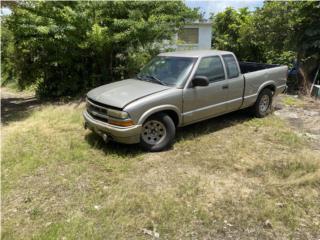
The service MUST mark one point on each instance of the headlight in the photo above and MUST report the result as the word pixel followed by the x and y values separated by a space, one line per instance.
pixel 117 114
pixel 119 118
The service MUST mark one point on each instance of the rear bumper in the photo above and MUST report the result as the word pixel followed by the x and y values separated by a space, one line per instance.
pixel 128 135
pixel 281 89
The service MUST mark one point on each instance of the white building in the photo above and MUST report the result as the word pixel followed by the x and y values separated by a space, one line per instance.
pixel 194 36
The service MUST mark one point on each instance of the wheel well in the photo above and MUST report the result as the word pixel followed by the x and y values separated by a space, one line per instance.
pixel 271 87
pixel 174 116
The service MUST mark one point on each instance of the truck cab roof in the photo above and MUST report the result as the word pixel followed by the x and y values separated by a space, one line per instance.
pixel 194 53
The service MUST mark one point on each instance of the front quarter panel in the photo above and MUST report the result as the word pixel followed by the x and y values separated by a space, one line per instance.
pixel 141 109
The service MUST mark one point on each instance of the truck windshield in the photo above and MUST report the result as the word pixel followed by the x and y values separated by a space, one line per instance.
pixel 167 70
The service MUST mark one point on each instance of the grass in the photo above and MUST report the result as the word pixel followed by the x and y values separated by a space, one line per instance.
pixel 223 179
pixel 292 101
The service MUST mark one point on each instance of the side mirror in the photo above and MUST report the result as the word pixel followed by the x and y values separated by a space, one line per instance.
pixel 200 81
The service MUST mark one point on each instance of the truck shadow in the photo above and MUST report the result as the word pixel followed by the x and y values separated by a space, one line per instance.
pixel 186 133
pixel 123 150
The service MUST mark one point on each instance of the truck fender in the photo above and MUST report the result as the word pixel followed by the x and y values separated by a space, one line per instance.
pixel 265 84
pixel 157 109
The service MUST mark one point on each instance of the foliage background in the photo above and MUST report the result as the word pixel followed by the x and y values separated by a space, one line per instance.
pixel 66 48
pixel 278 32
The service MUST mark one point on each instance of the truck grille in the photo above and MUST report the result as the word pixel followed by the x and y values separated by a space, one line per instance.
pixel 96 111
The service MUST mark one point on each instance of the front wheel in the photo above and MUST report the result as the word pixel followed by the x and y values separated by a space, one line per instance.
pixel 157 133
pixel 262 107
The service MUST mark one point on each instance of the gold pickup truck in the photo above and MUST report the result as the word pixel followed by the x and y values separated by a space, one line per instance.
pixel 176 89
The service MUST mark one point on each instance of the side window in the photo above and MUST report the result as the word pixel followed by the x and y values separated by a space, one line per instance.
pixel 212 68
pixel 231 66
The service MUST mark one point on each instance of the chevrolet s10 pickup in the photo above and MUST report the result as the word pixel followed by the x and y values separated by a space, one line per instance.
pixel 176 89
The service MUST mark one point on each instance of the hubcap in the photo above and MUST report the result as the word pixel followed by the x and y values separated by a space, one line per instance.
pixel 153 132
pixel 264 103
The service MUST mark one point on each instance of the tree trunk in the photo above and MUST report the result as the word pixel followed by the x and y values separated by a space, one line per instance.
pixel 307 68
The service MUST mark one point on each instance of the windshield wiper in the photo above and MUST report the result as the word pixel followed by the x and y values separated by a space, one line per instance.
pixel 152 78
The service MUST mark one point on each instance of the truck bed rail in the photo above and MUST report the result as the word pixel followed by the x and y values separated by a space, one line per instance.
pixel 247 67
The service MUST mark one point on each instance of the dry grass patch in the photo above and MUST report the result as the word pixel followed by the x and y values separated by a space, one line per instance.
pixel 227 178
pixel 293 101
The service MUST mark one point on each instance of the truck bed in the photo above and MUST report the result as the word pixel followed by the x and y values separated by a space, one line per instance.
pixel 247 67
pixel 256 75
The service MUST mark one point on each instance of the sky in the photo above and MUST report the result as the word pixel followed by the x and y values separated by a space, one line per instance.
pixel 215 6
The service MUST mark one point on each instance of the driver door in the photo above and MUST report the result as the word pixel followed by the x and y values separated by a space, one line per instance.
pixel 200 103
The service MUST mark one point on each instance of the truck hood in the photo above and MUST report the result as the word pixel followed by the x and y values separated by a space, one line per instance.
pixel 119 94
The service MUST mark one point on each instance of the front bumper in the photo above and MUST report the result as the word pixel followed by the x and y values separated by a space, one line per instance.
pixel 128 135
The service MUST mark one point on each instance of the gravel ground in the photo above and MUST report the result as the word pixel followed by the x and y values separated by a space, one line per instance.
pixel 303 115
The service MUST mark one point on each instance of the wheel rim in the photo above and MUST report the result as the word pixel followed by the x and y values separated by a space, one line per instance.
pixel 264 103
pixel 153 132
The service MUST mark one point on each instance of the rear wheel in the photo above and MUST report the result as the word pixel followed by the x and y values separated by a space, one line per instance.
pixel 262 107
pixel 157 133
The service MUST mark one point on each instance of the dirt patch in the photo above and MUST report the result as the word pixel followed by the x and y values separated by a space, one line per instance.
pixel 302 114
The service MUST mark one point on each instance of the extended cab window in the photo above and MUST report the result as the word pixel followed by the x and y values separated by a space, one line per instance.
pixel 231 65
pixel 212 68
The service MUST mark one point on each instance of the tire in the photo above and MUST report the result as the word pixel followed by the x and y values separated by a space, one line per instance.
pixel 157 133
pixel 262 107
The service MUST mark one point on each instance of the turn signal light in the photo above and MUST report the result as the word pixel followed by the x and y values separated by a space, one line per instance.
pixel 125 123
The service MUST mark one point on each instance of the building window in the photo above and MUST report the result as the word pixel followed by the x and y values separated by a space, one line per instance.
pixel 189 35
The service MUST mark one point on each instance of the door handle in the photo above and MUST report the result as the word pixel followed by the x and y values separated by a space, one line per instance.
pixel 225 86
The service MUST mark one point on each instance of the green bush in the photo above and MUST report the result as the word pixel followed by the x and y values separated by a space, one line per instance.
pixel 67 48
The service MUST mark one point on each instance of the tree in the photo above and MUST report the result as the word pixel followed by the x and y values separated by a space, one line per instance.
pixel 305 39
pixel 7 53
pixel 68 47
pixel 232 31
pixel 288 31
pixel 226 26
pixel 278 32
